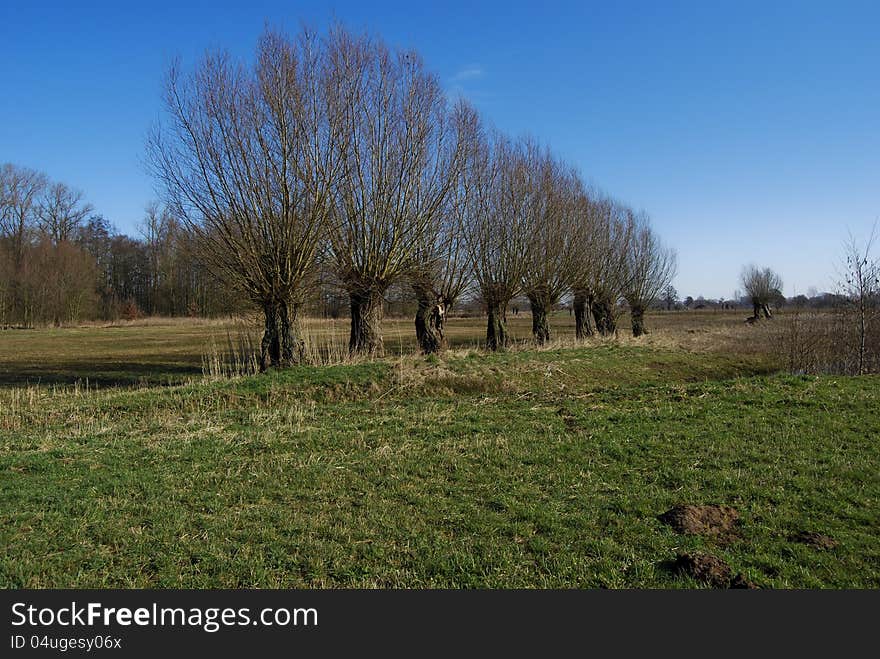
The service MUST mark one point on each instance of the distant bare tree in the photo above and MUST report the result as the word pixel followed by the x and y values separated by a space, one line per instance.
pixel 7 289
pixel 550 255
pixel 247 159
pixel 584 238
pixel 156 231
pixel 60 212
pixel 166 247
pixel 20 191
pixel 860 288
pixel 762 286
pixel 601 275
pixel 60 281
pixel 669 297
pixel 440 269
pixel 650 269
pixel 497 230
pixel 401 152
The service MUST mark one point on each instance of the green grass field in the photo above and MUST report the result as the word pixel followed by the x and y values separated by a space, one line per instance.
pixel 523 469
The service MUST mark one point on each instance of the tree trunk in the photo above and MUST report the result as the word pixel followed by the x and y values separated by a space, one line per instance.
pixel 766 309
pixel 582 326
pixel 637 314
pixel 610 320
pixel 430 320
pixel 292 347
pixel 540 326
pixel 366 324
pixel 270 346
pixel 603 314
pixel 280 345
pixel 496 329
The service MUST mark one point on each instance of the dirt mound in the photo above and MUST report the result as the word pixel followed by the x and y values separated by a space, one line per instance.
pixel 704 567
pixel 717 521
pixel 711 570
pixel 739 582
pixel 815 540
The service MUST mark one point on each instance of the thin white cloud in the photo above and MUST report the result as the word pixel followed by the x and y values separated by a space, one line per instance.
pixel 468 73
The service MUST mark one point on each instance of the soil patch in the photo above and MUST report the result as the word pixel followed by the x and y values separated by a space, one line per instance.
pixel 711 570
pixel 713 521
pixel 815 540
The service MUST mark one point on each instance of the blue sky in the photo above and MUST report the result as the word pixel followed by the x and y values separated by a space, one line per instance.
pixel 750 131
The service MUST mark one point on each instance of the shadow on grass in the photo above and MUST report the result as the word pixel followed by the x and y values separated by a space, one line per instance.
pixel 97 373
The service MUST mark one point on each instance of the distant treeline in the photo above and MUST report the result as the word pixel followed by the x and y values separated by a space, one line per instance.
pixel 671 302
pixel 62 263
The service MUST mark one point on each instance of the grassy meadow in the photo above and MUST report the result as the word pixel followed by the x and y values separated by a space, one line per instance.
pixel 162 351
pixel 529 468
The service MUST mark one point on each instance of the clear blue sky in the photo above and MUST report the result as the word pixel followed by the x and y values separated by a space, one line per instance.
pixel 750 131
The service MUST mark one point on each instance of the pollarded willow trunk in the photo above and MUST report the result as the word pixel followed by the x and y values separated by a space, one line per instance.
pixel 540 307
pixel 280 345
pixel 603 315
pixel 496 329
pixel 366 324
pixel 270 346
pixel 637 314
pixel 430 320
pixel 766 309
pixel 582 326
pixel 292 346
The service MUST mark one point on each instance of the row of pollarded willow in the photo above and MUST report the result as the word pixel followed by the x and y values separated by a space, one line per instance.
pixel 402 156
pixel 342 151
pixel 540 233
pixel 338 148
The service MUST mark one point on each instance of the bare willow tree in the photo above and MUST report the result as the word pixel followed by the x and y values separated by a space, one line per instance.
pixel 400 152
pixel 550 255
pixel 603 232
pixel 762 286
pixel 440 270
pixel 584 244
pixel 497 229
pixel 247 158
pixel 650 269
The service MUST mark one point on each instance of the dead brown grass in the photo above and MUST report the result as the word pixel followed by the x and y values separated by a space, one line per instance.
pixel 171 350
